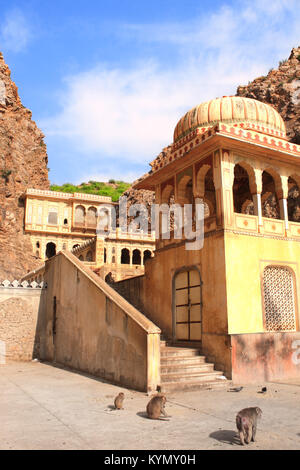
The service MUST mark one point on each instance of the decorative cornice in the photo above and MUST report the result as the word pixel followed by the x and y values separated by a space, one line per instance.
pixel 245 132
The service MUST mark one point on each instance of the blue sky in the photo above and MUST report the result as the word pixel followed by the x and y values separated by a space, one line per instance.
pixel 107 81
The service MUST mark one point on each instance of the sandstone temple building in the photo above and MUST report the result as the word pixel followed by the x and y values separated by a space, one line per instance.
pixel 228 309
pixel 63 221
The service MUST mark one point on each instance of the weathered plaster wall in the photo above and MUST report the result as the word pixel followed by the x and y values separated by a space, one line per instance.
pixel 19 313
pixel 89 327
pixel 152 294
pixel 265 357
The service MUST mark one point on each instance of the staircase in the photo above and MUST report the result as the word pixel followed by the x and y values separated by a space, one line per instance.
pixel 184 368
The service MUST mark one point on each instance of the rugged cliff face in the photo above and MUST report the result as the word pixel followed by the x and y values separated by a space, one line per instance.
pixel 280 88
pixel 23 164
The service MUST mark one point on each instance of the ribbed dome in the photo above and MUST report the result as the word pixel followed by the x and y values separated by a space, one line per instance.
pixel 233 109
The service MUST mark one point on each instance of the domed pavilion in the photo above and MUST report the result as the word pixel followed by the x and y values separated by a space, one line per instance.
pixel 236 298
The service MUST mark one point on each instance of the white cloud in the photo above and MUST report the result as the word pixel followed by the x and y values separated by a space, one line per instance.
pixel 129 114
pixel 14 31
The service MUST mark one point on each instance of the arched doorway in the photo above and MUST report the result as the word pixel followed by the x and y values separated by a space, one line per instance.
pixel 187 306
pixel 125 256
pixel 136 257
pixel 50 250
pixel 147 255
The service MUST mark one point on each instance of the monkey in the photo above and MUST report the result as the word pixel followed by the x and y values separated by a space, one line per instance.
pixel 246 423
pixel 156 406
pixel 119 401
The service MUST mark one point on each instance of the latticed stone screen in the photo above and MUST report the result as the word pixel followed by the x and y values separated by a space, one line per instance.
pixel 279 298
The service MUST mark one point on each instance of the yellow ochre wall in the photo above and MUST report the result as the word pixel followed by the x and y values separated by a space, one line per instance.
pixel 246 258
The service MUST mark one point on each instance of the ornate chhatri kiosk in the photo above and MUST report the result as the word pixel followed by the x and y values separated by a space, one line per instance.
pixel 238 296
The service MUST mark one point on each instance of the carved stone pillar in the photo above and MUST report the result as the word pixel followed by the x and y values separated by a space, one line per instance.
pixel 256 190
pixel 282 194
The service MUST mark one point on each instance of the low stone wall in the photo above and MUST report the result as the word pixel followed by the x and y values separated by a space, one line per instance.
pixel 20 307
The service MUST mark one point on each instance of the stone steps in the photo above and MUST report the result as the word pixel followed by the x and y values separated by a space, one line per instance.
pixel 183 367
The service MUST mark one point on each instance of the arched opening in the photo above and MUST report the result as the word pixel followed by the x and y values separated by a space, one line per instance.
pixel 38 244
pixel 89 256
pixel 147 255
pixel 81 258
pixel 125 256
pixel 65 221
pixel 92 217
pixel 293 200
pixel 79 215
pixel 50 250
pixel 187 312
pixel 136 257
pixel 185 190
pixel 105 255
pixel 103 219
pixel 269 200
pixel 242 197
pixel 209 195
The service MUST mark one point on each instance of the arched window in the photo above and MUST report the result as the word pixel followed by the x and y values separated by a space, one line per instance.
pixel 79 215
pixel 125 256
pixel 147 255
pixel 81 258
pixel 269 200
pixel 242 197
pixel 52 216
pixel 293 200
pixel 89 256
pixel 103 218
pixel 50 250
pixel 136 257
pixel 279 298
pixel 92 217
pixel 205 189
pixel 105 255
pixel 185 190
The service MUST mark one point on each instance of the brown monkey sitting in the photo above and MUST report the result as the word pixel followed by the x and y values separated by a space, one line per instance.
pixel 119 401
pixel 246 423
pixel 156 406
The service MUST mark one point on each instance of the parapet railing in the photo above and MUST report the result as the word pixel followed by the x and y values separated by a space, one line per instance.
pixel 22 285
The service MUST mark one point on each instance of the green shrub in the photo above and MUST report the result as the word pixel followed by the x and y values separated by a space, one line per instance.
pixel 94 187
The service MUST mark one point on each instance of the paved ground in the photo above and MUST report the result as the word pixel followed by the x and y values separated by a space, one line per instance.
pixel 43 407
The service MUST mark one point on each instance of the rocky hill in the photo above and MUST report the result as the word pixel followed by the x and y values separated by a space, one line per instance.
pixel 23 164
pixel 280 88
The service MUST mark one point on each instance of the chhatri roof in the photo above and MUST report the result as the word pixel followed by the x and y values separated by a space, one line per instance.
pixel 231 109
pixel 242 120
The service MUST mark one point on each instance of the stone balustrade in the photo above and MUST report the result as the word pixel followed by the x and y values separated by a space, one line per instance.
pixel 22 285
